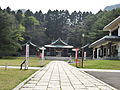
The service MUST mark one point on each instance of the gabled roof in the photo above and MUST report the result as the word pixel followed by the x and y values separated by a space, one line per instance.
pixel 104 40
pixel 112 24
pixel 59 44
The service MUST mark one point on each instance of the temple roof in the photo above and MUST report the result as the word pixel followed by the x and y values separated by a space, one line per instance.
pixel 104 40
pixel 59 44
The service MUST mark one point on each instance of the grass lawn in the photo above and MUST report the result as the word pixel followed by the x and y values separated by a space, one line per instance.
pixel 101 64
pixel 10 78
pixel 16 61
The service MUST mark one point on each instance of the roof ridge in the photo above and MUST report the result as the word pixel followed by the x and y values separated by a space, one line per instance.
pixel 59 39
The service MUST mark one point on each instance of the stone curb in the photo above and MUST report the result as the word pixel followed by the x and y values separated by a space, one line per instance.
pixel 96 78
pixel 22 83
pixel 100 70
pixel 100 81
pixel 18 67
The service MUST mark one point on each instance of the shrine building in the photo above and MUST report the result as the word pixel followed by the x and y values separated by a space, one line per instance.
pixel 58 48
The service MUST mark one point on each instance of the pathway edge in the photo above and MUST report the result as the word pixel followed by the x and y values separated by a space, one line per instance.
pixel 22 83
pixel 113 88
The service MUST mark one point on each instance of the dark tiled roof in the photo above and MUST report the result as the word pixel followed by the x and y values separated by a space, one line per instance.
pixel 59 44
pixel 105 39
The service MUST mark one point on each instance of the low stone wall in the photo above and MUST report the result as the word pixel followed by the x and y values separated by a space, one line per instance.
pixel 57 58
pixel 112 58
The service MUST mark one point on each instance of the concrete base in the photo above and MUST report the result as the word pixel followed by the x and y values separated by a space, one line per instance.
pixel 112 58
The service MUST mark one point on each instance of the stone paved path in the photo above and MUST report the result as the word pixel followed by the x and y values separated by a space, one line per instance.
pixel 59 75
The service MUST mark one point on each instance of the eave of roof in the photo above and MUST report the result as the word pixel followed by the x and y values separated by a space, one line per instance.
pixel 112 24
pixel 30 43
pixel 105 39
pixel 58 46
pixel 33 44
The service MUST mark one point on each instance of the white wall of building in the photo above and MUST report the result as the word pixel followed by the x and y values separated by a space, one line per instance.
pixel 119 50
pixel 119 30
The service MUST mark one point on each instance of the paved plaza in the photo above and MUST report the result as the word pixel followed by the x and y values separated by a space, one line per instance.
pixel 59 75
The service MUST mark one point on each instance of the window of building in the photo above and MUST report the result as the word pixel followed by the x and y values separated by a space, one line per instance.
pixel 114 33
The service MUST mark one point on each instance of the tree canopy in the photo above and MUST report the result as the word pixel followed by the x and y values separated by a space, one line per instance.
pixel 18 27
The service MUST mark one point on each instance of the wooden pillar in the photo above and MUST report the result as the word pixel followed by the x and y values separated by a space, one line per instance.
pixel 109 49
pixel 102 51
pixel 119 30
pixel 119 43
pixel 43 51
pixel 119 50
pixel 97 53
pixel 93 53
pixel 49 52
pixel 67 53
pixel 53 51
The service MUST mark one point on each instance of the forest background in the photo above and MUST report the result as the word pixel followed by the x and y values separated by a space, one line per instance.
pixel 18 27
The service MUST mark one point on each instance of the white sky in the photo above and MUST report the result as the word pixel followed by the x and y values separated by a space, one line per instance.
pixel 71 5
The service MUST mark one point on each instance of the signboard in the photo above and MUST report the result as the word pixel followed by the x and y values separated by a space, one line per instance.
pixel 27 51
pixel 76 54
pixel 84 55
pixel 27 56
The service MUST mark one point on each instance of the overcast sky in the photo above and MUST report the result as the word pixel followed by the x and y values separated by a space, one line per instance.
pixel 71 5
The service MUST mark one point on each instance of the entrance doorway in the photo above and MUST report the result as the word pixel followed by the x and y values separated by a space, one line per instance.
pixel 58 53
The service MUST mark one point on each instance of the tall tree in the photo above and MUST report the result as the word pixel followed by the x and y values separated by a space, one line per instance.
pixel 28 13
pixel 19 17
pixel 10 34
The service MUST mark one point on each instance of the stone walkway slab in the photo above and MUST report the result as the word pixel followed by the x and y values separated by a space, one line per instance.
pixel 59 75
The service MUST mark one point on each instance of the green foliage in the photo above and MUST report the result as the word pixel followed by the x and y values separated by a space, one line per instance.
pixel 28 13
pixel 19 27
pixel 19 16
pixel 32 20
pixel 10 34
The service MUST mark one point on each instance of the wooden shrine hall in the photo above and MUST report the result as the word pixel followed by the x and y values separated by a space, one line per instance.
pixel 58 48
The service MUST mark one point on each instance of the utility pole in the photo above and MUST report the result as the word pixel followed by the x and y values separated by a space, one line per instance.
pixel 82 50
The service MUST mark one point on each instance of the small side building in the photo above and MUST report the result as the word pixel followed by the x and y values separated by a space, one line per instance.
pixel 108 47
